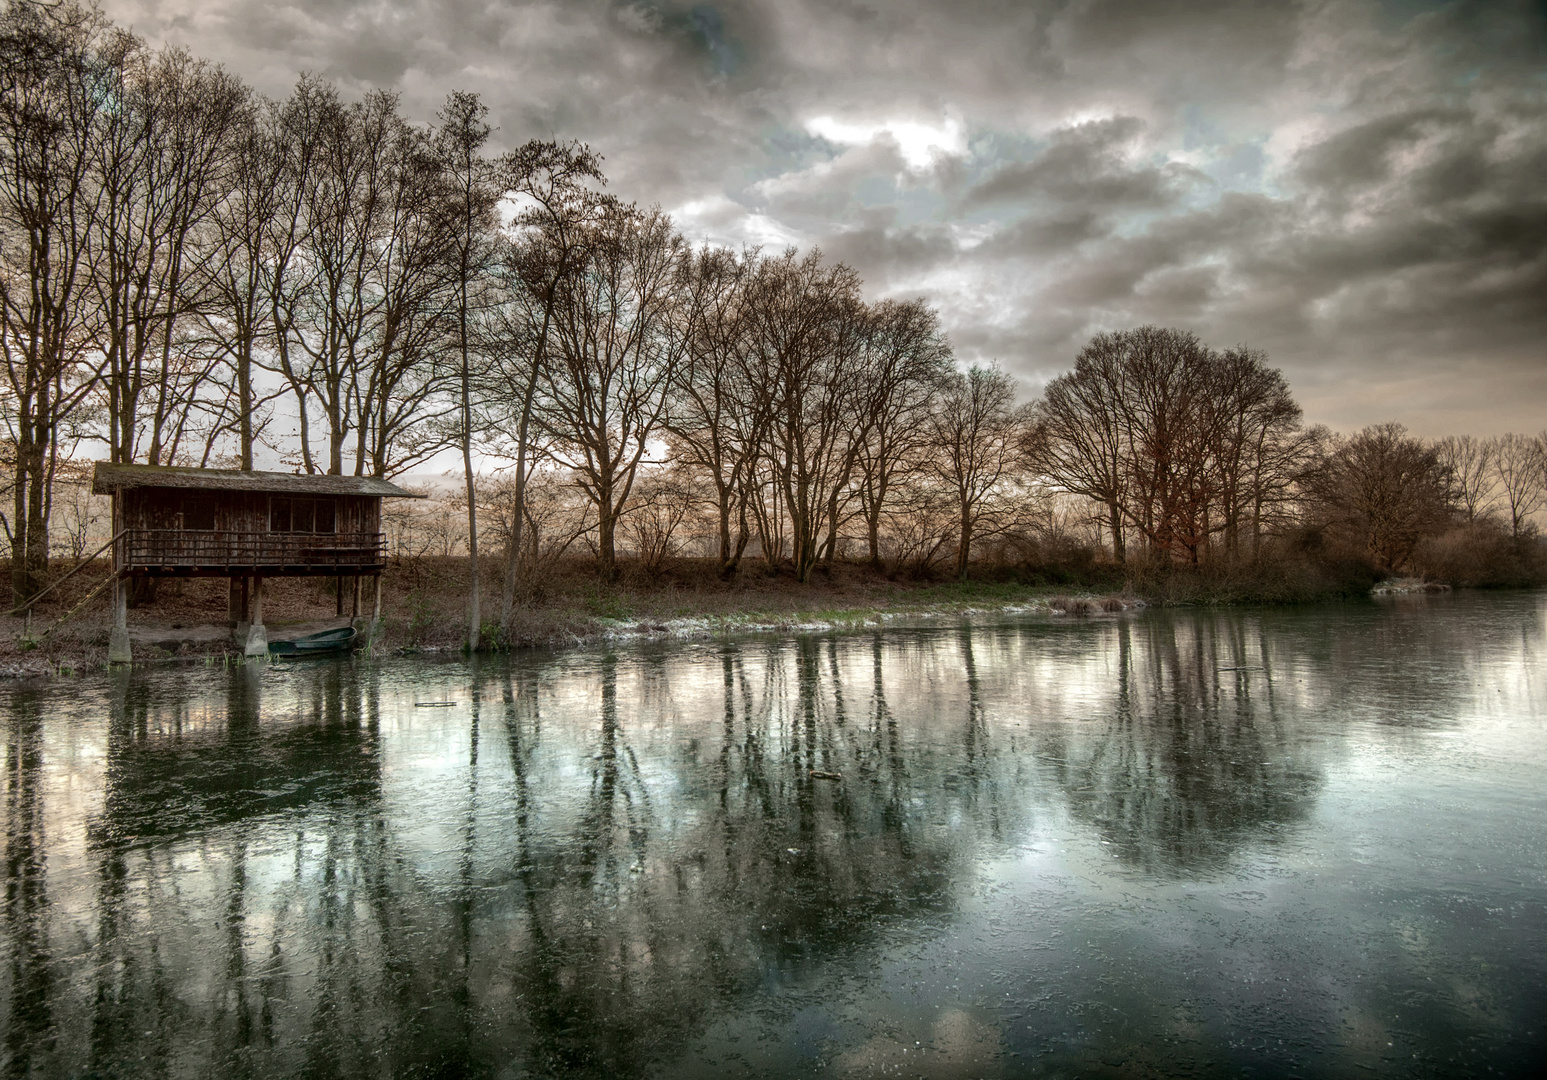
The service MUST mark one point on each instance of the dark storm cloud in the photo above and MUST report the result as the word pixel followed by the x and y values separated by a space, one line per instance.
pixel 1354 185
pixel 1370 153
pixel 1038 235
pixel 1085 164
pixel 1248 31
pixel 888 254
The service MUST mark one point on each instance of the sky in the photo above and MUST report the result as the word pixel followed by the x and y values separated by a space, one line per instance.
pixel 1356 187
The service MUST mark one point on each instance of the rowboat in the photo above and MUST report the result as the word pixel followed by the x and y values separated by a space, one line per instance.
pixel 327 643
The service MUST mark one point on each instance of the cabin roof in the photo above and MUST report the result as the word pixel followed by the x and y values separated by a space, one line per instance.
pixel 108 478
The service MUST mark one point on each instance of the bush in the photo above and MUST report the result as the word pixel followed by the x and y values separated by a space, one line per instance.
pixel 1294 570
pixel 1482 555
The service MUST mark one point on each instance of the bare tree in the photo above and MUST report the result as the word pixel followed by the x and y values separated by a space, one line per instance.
pixel 1259 445
pixel 807 330
pixel 618 348
pixel 718 420
pixel 907 362
pixel 1079 439
pixel 1518 463
pixel 49 113
pixel 302 126
pixel 397 385
pixel 161 167
pixel 1470 463
pixel 235 313
pixel 660 504
pixel 550 231
pixel 474 195
pixel 976 439
pixel 1178 442
pixel 922 521
pixel 1380 491
pixel 332 303
pixel 1172 412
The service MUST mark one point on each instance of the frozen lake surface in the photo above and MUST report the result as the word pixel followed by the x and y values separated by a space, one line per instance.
pixel 1304 841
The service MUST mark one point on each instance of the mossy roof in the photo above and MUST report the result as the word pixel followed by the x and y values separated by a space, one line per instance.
pixel 108 478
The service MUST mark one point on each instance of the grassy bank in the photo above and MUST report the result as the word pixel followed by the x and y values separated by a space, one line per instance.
pixel 424 604
pixel 424 608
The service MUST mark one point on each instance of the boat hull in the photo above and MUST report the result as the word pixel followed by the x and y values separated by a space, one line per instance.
pixel 327 643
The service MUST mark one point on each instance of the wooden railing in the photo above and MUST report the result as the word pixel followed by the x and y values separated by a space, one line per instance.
pixel 194 549
pixel 25 607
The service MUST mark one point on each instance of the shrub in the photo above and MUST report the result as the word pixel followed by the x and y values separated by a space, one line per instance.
pixel 1482 555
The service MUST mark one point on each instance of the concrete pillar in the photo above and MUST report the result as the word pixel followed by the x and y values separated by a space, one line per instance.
pixel 376 615
pixel 118 650
pixel 256 640
pixel 242 584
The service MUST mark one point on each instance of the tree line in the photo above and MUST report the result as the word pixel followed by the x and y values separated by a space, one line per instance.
pixel 188 269
pixel 1202 455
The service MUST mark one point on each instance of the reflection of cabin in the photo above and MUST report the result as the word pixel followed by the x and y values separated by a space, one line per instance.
pixel 245 526
pixel 184 780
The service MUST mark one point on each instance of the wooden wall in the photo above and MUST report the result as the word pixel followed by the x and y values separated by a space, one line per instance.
pixel 171 508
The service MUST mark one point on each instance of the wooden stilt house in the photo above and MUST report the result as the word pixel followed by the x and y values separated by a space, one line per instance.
pixel 171 521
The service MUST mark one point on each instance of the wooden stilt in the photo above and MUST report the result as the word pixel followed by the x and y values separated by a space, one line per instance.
pixel 338 594
pixel 354 602
pixel 376 615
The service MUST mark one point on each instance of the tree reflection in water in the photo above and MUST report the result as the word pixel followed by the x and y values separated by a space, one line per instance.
pixel 589 857
pixel 1191 759
pixel 30 1034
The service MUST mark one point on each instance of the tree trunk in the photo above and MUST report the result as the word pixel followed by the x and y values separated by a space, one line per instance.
pixel 473 616
pixel 873 534
pixel 743 537
pixel 964 547
pixel 244 401
pixel 723 494
pixel 23 582
pixel 606 550
pixel 518 510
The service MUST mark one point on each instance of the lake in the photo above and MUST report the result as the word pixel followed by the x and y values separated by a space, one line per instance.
pixel 1300 841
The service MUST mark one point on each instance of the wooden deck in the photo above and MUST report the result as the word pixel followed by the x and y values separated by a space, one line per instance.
pixel 208 553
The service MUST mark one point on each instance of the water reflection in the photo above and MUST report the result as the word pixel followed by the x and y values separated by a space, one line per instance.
pixel 1191 759
pixel 611 863
pixel 30 1030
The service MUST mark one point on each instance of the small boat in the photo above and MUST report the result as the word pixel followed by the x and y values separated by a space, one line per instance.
pixel 327 643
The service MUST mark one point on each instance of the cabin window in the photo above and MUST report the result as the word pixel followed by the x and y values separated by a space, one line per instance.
pixel 199 514
pixel 301 515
